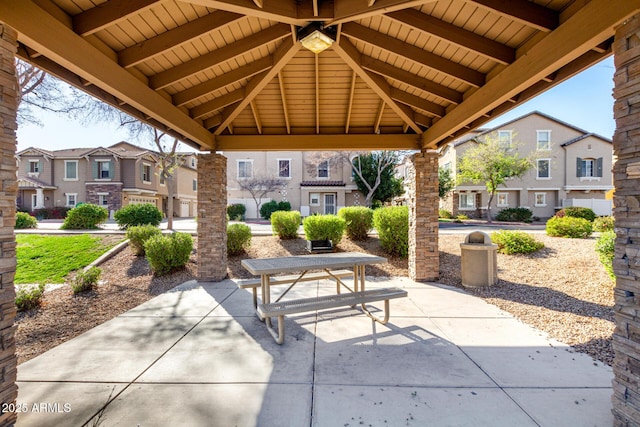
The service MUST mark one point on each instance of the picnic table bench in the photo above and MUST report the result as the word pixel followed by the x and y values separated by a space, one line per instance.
pixel 331 265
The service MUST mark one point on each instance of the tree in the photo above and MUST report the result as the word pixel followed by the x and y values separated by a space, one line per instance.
pixel 373 171
pixel 491 162
pixel 169 161
pixel 260 186
pixel 446 182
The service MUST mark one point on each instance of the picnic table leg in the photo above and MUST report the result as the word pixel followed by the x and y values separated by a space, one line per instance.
pixel 381 320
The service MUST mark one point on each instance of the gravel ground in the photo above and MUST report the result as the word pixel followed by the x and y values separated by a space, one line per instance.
pixel 562 290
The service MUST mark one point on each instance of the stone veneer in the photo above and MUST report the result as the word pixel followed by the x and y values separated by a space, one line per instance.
pixel 626 147
pixel 212 217
pixel 114 199
pixel 8 192
pixel 422 188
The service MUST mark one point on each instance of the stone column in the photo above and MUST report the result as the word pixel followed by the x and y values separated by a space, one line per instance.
pixel 39 198
pixel 8 192
pixel 422 188
pixel 212 217
pixel 626 264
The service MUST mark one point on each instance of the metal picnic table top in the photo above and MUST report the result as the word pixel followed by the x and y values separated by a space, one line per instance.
pixel 262 266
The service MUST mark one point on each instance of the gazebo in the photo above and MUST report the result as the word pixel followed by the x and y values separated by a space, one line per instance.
pixel 234 75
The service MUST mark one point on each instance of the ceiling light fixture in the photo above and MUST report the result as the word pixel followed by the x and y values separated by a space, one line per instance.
pixel 315 37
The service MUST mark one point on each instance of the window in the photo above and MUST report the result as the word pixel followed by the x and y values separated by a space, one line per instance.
pixel 194 185
pixel 540 199
pixel 34 166
pixel 503 199
pixel 447 166
pixel 162 181
pixel 544 169
pixel 71 199
pixel 504 138
pixel 103 168
pixel 323 169
pixel 245 168
pixel 544 139
pixel 103 199
pixel 146 173
pixel 71 170
pixel 193 162
pixel 314 199
pixel 589 168
pixel 284 168
pixel 467 201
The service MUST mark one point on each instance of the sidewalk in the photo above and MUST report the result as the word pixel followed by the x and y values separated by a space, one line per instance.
pixel 198 356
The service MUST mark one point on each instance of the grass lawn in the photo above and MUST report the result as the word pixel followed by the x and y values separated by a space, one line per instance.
pixel 48 259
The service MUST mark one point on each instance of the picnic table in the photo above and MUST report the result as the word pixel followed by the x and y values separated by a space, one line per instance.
pixel 306 267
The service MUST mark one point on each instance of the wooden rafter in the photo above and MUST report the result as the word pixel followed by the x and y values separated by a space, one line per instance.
pixel 281 57
pixel 352 92
pixel 351 56
pixel 285 11
pixel 527 12
pixel 216 104
pixel 313 142
pixel 402 76
pixel 376 125
pixel 258 3
pixel 590 26
pixel 230 51
pixel 105 14
pixel 456 35
pixel 170 39
pixel 256 115
pixel 317 88
pixel 283 97
pixel 348 11
pixel 413 53
pixel 222 81
pixel 418 103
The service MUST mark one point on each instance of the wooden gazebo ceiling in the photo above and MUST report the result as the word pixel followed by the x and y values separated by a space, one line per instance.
pixel 231 74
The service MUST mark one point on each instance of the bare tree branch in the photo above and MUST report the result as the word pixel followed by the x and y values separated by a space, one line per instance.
pixel 260 186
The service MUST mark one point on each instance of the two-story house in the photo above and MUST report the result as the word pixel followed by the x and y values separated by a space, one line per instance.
pixel 309 186
pixel 112 177
pixel 571 167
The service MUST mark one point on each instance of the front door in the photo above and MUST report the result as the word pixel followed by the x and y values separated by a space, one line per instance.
pixel 330 204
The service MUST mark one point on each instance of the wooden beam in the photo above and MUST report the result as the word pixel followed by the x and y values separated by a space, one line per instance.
pixel 216 104
pixel 413 53
pixel 256 115
pixel 108 13
pixel 590 26
pixel 222 81
pixel 230 51
pixel 35 28
pixel 285 110
pixel 317 87
pixel 348 11
pixel 529 13
pixel 456 35
pixel 258 3
pixel 352 92
pixel 376 125
pixel 147 49
pixel 285 11
pixel 351 57
pixel 408 78
pixel 338 142
pixel 418 103
pixel 281 57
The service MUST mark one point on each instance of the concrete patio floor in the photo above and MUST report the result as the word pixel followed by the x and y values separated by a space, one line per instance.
pixel 198 356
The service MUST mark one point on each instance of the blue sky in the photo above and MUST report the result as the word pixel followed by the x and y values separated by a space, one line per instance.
pixel 584 101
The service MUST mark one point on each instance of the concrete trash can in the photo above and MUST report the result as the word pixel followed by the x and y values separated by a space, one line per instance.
pixel 479 260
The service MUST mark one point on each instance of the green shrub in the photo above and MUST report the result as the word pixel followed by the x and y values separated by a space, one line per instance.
pixel 139 234
pixel 603 223
pixel 284 206
pixel 28 297
pixel 324 227
pixel 515 242
pixel 392 224
pixel 460 217
pixel 86 280
pixel 285 224
pixel 84 217
pixel 238 238
pixel 577 212
pixel 569 227
pixel 138 214
pixel 605 247
pixel 443 213
pixel 268 208
pixel 358 220
pixel 24 220
pixel 515 215
pixel 236 212
pixel 168 251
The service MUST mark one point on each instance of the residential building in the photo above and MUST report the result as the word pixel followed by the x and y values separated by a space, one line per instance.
pixel 572 167
pixel 112 177
pixel 309 187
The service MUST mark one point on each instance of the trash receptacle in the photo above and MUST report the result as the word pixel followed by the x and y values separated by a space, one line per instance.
pixel 479 260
